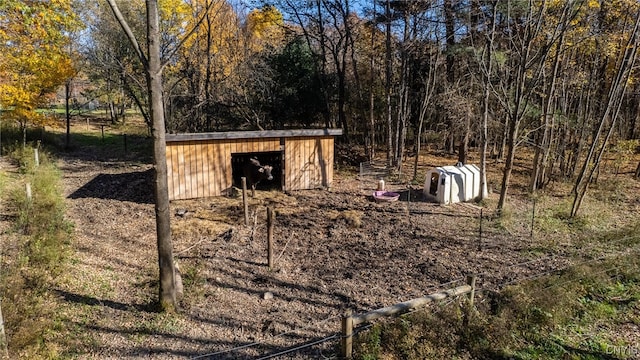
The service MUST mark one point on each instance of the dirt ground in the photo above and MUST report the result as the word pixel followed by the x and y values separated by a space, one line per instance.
pixel 335 250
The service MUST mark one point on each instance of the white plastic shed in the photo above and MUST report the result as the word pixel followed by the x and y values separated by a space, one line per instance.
pixel 452 184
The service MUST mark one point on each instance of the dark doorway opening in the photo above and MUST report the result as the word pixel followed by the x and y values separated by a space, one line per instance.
pixel 273 158
pixel 433 186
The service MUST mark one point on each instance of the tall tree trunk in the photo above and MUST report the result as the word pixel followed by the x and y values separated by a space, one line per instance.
pixel 450 35
pixel 67 95
pixel 503 139
pixel 487 68
pixel 508 166
pixel 429 88
pixel 208 120
pixel 153 69
pixel 463 147
pixel 163 224
pixel 403 101
pixel 526 76
pixel 387 11
pixel 634 121
pixel 612 109
pixel 541 157
pixel 449 24
pixel 372 117
pixel 484 189
pixel 582 133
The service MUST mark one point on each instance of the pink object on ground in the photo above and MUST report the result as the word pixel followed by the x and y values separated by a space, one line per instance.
pixel 385 196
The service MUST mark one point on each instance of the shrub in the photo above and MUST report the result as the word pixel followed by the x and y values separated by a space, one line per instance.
pixel 39 250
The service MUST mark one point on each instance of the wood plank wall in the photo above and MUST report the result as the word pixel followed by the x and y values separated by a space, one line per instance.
pixel 308 162
pixel 198 169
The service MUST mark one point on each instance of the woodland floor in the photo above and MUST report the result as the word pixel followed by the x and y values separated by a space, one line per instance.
pixel 335 250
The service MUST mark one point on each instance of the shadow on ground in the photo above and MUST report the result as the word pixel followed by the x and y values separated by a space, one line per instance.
pixel 132 186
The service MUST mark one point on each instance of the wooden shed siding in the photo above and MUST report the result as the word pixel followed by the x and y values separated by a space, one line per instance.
pixel 203 168
pixel 308 163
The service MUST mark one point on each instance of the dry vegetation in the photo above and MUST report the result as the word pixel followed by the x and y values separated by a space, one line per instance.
pixel 335 250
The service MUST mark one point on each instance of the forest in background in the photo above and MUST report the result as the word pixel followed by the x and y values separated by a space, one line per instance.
pixel 556 80
pixel 557 77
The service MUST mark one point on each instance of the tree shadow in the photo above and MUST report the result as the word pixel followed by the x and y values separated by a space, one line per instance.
pixel 88 300
pixel 133 186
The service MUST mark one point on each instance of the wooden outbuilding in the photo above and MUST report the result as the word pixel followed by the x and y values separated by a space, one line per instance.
pixel 210 164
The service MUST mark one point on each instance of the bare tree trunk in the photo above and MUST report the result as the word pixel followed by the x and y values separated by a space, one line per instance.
pixel 153 67
pixel 67 95
pixel 487 71
pixel 612 109
pixel 23 127
pixel 577 147
pixel 526 76
pixel 634 120
pixel 403 101
pixel 450 40
pixel 541 157
pixel 463 147
pixel 372 117
pixel 484 189
pixel 429 88
pixel 638 171
pixel 503 143
pixel 508 166
pixel 390 156
pixel 163 223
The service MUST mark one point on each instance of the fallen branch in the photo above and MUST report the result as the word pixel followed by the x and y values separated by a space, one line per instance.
pixel 285 246
pixel 191 247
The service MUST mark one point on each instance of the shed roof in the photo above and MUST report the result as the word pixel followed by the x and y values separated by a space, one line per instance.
pixel 252 134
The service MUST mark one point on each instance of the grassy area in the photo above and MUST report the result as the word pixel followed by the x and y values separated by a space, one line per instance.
pixel 107 141
pixel 35 253
pixel 588 311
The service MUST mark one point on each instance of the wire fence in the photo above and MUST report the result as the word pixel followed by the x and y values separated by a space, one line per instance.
pixel 261 343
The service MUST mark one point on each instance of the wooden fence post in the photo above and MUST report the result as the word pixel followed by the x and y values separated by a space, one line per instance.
pixel 244 201
pixel 270 225
pixel 533 217
pixel 466 314
pixel 36 157
pixel 28 189
pixel 480 235
pixel 471 281
pixel 347 335
pixel 3 338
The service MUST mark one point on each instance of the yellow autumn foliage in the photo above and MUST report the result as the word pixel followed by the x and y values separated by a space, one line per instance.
pixel 35 58
pixel 265 27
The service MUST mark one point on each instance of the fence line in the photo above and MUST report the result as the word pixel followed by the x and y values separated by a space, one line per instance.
pixel 300 347
pixel 246 346
pixel 349 320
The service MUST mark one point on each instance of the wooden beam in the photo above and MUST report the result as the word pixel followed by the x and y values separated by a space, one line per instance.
pixel 409 305
pixel 252 134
